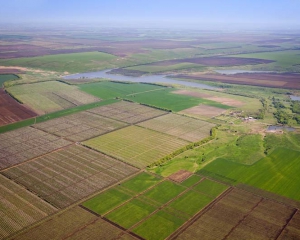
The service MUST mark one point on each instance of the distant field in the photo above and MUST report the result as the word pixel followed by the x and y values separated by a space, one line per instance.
pixel 145 210
pixel 66 176
pixel 128 112
pixel 277 173
pixel 7 77
pixel 237 215
pixel 80 126
pixel 12 111
pixel 175 102
pixel 284 59
pixel 135 145
pixel 186 128
pixel 19 208
pixel 50 96
pixel 26 143
pixel 106 89
pixel 72 63
pixel 75 224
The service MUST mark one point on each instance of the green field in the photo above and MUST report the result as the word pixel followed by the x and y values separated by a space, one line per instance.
pixel 210 188
pixel 72 63
pixel 135 145
pixel 175 102
pixel 169 190
pixel 190 202
pixel 50 96
pixel 7 77
pixel 285 60
pixel 141 182
pixel 158 226
pixel 277 173
pixel 191 181
pixel 106 201
pixel 130 213
pixel 106 89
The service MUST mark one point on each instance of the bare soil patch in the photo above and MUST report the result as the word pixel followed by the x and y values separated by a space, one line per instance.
pixel 277 80
pixel 203 111
pixel 180 176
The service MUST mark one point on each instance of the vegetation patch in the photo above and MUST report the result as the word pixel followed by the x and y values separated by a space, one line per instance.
pixel 106 201
pixel 108 89
pixel 135 145
pixel 210 188
pixel 186 128
pixel 277 173
pixel 158 226
pixel 169 190
pixel 130 213
pixel 50 96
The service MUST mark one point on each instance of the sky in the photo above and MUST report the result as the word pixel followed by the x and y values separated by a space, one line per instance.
pixel 274 13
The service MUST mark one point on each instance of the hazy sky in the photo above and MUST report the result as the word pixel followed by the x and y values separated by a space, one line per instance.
pixel 248 12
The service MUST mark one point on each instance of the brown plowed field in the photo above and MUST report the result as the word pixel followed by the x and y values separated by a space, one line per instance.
pixel 10 71
pixel 215 61
pixel 203 111
pixel 241 215
pixel 180 176
pixel 277 80
pixel 12 111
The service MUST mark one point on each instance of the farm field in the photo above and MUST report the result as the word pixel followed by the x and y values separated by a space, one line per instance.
pixel 50 96
pixel 128 112
pixel 272 80
pixel 12 111
pixel 76 224
pixel 186 128
pixel 72 63
pixel 107 90
pixel 136 145
pixel 277 173
pixel 175 102
pixel 145 211
pixel 80 126
pixel 68 175
pixel 19 208
pixel 26 143
pixel 239 215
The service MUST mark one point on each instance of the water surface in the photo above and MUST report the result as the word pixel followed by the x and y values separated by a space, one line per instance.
pixel 280 128
pixel 295 98
pixel 236 71
pixel 143 79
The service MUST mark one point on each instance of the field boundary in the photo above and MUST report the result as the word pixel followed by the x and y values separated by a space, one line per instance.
pixel 189 222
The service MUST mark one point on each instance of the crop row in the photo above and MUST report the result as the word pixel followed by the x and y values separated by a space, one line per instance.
pixel 189 129
pixel 128 112
pixel 19 208
pixel 65 176
pixel 30 143
pixel 80 126
pixel 136 145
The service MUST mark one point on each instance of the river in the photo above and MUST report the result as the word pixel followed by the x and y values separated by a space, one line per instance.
pixel 143 79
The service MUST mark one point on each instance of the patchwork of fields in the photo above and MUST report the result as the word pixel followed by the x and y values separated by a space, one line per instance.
pixel 26 143
pixel 75 224
pixel 139 206
pixel 128 112
pixel 136 145
pixel 66 176
pixel 50 96
pixel 19 208
pixel 80 126
pixel 179 126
